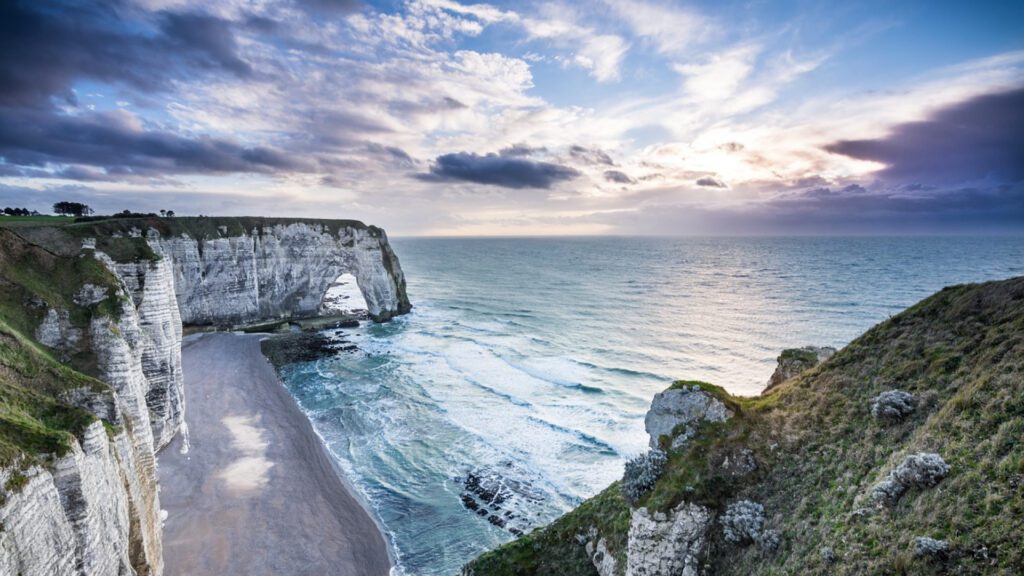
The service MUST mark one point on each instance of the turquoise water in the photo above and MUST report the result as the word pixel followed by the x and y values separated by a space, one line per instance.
pixel 527 364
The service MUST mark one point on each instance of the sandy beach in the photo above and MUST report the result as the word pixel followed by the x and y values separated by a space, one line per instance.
pixel 256 493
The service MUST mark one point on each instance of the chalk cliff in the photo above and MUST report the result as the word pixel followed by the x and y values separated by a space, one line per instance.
pixel 78 447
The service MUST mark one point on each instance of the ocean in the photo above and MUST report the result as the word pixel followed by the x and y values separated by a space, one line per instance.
pixel 517 386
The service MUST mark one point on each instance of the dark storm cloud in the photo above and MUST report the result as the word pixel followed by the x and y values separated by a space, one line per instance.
pixel 590 155
pixel 330 7
pixel 498 170
pixel 979 139
pixel 618 177
pixel 116 142
pixel 46 46
pixel 710 182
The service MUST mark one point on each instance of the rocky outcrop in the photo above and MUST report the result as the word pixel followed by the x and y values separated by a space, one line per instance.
pixel 668 544
pixel 96 510
pixel 603 560
pixel 794 361
pixel 677 412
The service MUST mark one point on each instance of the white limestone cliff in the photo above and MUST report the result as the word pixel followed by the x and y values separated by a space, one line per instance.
pixel 96 510
pixel 280 271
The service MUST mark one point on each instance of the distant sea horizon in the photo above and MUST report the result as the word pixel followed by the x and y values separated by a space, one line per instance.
pixel 528 363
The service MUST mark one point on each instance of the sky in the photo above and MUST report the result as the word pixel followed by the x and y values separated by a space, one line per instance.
pixel 441 117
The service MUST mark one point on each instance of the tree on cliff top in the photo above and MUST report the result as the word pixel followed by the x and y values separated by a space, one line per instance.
pixel 71 209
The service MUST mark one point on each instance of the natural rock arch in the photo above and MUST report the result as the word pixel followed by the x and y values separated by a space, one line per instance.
pixel 281 271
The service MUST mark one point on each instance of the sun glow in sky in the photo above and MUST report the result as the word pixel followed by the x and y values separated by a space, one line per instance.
pixel 447 117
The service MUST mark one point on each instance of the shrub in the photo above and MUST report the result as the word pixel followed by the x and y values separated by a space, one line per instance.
pixel 641 474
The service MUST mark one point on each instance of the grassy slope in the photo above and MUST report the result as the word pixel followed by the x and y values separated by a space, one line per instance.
pixel 961 352
pixel 34 422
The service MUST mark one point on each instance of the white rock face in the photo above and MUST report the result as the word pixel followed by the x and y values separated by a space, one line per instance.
pixel 686 406
pixel 96 511
pixel 151 286
pixel 602 559
pixel 282 272
pixel 57 332
pixel 667 544
pixel 73 520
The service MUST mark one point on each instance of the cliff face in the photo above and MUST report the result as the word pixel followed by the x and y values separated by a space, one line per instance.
pixel 280 271
pixel 899 454
pixel 80 496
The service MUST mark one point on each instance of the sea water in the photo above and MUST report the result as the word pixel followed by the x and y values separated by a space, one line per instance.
pixel 523 373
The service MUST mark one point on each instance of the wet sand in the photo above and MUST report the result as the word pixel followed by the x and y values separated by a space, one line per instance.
pixel 256 494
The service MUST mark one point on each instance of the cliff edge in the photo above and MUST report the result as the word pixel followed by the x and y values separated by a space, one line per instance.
pixel 900 454
pixel 91 318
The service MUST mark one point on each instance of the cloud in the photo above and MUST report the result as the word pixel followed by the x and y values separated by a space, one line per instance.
pixel 118 142
pixel 590 155
pixel 720 75
pixel 978 139
pixel 44 48
pixel 601 54
pixel 710 182
pixel 498 170
pixel 618 177
pixel 330 7
pixel 670 28
pixel 522 150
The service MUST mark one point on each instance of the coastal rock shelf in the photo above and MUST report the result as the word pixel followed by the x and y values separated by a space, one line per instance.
pixel 80 491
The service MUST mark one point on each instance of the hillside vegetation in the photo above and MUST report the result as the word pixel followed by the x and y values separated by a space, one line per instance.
pixel 819 451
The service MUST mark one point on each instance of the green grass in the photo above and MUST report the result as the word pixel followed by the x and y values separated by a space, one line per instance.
pixel 41 220
pixel 34 423
pixel 819 452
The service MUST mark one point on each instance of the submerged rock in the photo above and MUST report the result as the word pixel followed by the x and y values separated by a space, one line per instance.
pixel 793 361
pixel 684 407
pixel 498 493
pixel 893 405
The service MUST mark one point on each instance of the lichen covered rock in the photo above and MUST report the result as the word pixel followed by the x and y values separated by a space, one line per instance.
pixel 921 470
pixel 893 405
pixel 930 547
pixel 641 473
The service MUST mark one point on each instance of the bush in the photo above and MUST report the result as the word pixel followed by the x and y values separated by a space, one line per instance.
pixel 641 474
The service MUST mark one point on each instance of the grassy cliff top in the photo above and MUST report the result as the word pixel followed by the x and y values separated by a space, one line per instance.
pixel 113 235
pixel 819 452
pixel 205 227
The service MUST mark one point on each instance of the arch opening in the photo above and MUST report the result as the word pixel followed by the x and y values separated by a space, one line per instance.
pixel 343 297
